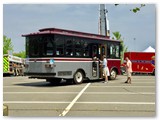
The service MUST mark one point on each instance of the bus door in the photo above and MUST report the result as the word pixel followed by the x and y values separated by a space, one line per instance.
pixel 94 63
pixel 102 49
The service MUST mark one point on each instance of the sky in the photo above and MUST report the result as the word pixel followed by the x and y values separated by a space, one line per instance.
pixel 137 29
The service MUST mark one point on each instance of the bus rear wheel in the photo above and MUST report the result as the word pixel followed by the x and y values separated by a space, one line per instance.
pixel 78 77
pixel 113 74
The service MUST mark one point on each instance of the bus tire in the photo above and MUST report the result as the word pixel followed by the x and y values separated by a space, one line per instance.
pixel 113 74
pixel 78 77
pixel 153 72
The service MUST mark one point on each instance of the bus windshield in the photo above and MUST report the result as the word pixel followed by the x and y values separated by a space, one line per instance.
pixel 40 46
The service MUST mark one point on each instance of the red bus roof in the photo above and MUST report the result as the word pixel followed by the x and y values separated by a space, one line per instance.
pixel 69 33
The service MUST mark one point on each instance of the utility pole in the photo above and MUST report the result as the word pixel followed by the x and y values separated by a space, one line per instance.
pixel 103 21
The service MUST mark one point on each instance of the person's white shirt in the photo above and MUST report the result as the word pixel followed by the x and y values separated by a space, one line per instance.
pixel 104 62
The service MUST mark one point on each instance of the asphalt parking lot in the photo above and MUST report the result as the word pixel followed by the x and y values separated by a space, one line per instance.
pixel 36 97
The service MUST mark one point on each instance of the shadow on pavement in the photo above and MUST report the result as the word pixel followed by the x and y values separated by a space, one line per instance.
pixel 63 83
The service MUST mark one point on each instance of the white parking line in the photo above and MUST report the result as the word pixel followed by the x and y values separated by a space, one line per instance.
pixel 73 101
pixel 35 102
pixel 144 82
pixel 127 85
pixel 99 93
pixel 40 92
pixel 68 108
pixel 134 82
pixel 127 103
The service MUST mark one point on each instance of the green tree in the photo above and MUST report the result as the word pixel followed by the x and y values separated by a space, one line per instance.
pixel 123 48
pixel 117 35
pixel 21 54
pixel 7 45
pixel 136 9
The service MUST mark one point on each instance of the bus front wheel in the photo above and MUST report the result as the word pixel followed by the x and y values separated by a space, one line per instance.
pixel 153 72
pixel 113 74
pixel 78 77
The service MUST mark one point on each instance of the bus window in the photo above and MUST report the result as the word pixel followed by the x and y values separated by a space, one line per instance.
pixel 103 50
pixel 113 51
pixel 34 46
pixel 86 49
pixel 27 46
pixel 117 51
pixel 69 46
pixel 59 52
pixel 49 48
pixel 59 41
pixel 94 51
pixel 78 47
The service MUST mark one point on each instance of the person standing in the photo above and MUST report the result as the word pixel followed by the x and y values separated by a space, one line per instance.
pixel 128 70
pixel 105 69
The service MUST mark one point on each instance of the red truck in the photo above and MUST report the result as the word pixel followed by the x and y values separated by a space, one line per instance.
pixel 142 62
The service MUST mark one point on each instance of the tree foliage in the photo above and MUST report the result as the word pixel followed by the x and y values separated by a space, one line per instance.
pixel 7 45
pixel 21 54
pixel 136 9
pixel 117 35
pixel 123 48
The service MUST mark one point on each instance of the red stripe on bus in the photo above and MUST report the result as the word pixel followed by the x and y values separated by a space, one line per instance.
pixel 60 59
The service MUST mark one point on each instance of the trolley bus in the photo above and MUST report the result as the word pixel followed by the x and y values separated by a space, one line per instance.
pixel 55 54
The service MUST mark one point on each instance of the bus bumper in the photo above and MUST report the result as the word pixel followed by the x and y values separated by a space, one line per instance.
pixel 41 75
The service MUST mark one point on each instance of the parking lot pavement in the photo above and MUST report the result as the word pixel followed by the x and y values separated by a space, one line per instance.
pixel 35 97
